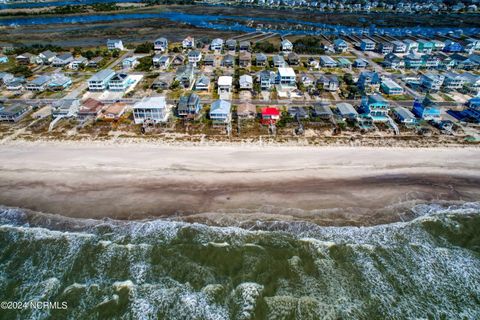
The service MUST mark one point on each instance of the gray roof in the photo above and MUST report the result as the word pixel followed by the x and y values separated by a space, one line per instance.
pixel 40 80
pixel 346 108
pixel 102 75
pixel 404 113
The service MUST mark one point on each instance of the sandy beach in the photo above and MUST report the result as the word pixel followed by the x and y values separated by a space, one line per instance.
pixel 234 185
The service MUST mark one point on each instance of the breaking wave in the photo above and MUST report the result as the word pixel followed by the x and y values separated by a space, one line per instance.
pixel 157 269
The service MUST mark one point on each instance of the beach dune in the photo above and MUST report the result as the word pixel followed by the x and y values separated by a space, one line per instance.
pixel 234 185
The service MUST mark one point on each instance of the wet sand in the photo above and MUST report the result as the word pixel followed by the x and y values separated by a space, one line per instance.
pixel 232 185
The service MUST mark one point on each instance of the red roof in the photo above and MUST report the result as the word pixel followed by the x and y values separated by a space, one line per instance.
pixel 270 112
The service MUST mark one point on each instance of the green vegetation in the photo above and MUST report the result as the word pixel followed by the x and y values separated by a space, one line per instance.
pixel 265 47
pixel 36 49
pixel 145 64
pixel 308 45
pixel 145 47
pixel 21 71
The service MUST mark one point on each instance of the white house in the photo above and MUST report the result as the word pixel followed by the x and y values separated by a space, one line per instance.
pixel 188 43
pixel 161 44
pixel 152 109
pixel 194 57
pixel 115 44
pixel 287 46
pixel 246 82
pixel 62 59
pixel 286 79
pixel 432 81
pixel 216 44
pixel 225 86
pixel 100 80
pixel 119 82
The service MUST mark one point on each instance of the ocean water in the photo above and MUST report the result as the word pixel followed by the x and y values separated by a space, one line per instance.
pixel 428 268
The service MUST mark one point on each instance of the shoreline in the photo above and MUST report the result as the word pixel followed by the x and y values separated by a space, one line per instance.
pixel 233 185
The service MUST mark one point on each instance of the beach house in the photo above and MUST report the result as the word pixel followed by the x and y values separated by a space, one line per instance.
pixel 228 61
pixel 188 42
pixel 79 62
pixel 424 46
pixel 189 105
pixel 216 44
pixel 293 59
pixel 246 82
pixel 194 57
pixel 399 46
pixel 453 81
pixel 376 107
pixel 220 112
pixel 160 44
pixel 367 45
pixel 161 61
pixel 411 45
pixel 114 111
pixel 269 115
pixel 59 82
pixel 327 62
pixel 90 108
pixel 260 59
pixel 267 80
pixel 322 110
pixel 426 109
pixel 152 109
pixel 26 58
pixel 225 86
pixel 329 82
pixel 279 61
pixel 369 81
pixel 432 81
pixel 65 108
pixel 245 46
pixel 129 63
pixel 100 80
pixel 340 45
pixel 392 61
pixel 286 45
pixel 202 83
pixel 286 79
pixel 245 59
pixel 390 87
pixel 246 110
pixel 46 57
pixel 231 44
pixel 404 116
pixel 413 61
pixel 62 60
pixel 346 111
pixel 13 113
pixel 39 83
pixel 115 44
pixel 119 82
pixel 185 76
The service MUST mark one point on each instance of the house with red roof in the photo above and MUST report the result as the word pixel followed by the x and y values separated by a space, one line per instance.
pixel 270 115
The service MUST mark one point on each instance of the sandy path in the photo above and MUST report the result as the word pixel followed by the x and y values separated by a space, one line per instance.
pixel 224 185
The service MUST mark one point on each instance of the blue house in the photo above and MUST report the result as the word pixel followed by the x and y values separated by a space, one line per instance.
pixel 474 103
pixel 452 46
pixel 220 112
pixel 59 82
pixel 427 109
pixel 368 81
pixel 376 107
pixel 3 58
pixel 367 45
